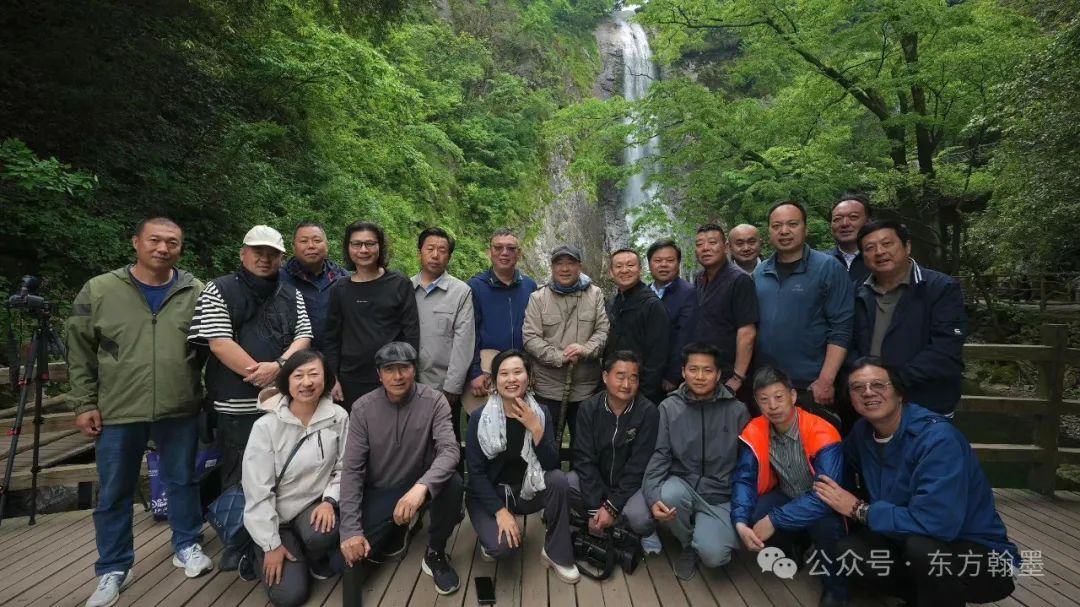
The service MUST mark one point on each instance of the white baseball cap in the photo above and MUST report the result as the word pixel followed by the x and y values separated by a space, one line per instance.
pixel 264 236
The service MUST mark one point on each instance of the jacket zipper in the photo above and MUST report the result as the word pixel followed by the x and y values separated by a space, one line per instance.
pixel 153 333
pixel 611 471
pixel 510 315
pixel 702 474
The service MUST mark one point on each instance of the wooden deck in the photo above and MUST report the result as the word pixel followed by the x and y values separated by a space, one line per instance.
pixel 52 564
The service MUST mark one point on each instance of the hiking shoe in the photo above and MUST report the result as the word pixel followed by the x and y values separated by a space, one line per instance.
pixel 395 551
pixel 438 567
pixel 193 561
pixel 486 556
pixel 569 574
pixel 685 565
pixel 321 569
pixel 108 589
pixel 651 544
pixel 246 568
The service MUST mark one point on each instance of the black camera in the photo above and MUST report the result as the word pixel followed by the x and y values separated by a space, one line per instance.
pixel 27 298
pixel 618 546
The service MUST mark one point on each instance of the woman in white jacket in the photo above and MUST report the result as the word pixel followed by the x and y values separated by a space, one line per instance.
pixel 295 528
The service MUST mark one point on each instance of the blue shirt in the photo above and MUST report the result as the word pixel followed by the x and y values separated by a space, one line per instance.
pixel 155 295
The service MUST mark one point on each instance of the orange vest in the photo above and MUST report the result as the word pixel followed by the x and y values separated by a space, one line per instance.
pixel 815 432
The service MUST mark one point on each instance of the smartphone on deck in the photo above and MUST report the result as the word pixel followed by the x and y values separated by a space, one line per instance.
pixel 485 590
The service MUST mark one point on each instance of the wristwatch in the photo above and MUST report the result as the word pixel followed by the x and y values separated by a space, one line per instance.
pixel 280 361
pixel 331 501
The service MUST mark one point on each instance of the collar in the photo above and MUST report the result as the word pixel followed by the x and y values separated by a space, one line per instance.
pixel 792 432
pixel 297 269
pixel 494 281
pixel 628 408
pixel 437 283
pixel 770 263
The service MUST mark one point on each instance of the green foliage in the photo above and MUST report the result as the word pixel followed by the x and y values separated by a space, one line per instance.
pixel 222 115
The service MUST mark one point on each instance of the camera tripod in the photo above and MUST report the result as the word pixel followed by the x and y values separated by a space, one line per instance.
pixel 43 340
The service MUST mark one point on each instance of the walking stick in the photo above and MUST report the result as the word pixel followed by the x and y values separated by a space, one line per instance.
pixel 563 406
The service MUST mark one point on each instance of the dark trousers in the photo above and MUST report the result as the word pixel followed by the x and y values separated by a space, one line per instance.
pixel 925 571
pixel 119 452
pixel 555 407
pixel 307 546
pixel 455 420
pixel 233 433
pixel 555 501
pixel 377 513
pixel 826 412
pixel 826 532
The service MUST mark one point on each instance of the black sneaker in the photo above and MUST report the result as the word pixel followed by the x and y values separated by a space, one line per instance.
pixel 397 546
pixel 230 559
pixel 438 567
pixel 685 564
pixel 321 569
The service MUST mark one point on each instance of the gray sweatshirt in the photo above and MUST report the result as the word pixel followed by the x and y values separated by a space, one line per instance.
pixel 393 445
pixel 698 441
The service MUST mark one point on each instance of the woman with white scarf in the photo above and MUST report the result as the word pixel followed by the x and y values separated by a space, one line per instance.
pixel 513 464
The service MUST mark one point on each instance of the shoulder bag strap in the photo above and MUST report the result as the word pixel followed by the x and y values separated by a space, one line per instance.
pixel 288 460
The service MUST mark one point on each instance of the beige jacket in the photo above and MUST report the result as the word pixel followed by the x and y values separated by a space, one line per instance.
pixel 554 321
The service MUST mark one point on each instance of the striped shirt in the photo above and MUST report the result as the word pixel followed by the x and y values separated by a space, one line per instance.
pixel 212 321
pixel 788 458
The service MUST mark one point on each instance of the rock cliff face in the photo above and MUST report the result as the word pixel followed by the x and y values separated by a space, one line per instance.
pixel 595 227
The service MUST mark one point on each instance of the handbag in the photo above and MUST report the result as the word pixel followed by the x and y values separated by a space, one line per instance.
pixel 226 513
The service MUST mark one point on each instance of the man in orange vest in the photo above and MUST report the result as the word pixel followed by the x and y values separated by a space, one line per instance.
pixel 773 501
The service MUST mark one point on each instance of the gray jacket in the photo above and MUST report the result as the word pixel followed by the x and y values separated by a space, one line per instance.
pixel 391 445
pixel 447 333
pixel 698 441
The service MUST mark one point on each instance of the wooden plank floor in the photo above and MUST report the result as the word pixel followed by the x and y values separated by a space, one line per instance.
pixel 51 564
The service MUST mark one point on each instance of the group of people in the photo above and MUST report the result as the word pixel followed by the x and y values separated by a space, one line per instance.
pixel 804 399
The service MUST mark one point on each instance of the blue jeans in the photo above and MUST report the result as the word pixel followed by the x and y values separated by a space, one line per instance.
pixel 119 452
pixel 825 532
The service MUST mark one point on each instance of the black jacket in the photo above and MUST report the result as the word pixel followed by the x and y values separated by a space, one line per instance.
pixel 857 271
pixel 611 453
pixel 925 340
pixel 680 299
pixel 639 323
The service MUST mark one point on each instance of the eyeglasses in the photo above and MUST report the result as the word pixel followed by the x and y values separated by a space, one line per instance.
pixel 877 386
pixel 363 244
pixel 505 249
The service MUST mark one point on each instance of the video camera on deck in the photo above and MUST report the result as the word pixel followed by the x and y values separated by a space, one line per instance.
pixel 596 556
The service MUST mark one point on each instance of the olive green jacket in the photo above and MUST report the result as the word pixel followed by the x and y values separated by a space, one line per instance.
pixel 124 361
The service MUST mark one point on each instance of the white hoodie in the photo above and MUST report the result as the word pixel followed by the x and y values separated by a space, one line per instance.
pixel 314 473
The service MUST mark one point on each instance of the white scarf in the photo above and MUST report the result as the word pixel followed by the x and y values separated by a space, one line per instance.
pixel 492 436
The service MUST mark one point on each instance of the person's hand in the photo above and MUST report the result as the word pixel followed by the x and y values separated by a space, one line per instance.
pixel 521 411
pixel 733 383
pixel 823 391
pixel 336 393
pixel 601 521
pixel 508 526
pixel 89 423
pixel 662 513
pixel 764 529
pixel 749 539
pixel 573 352
pixel 836 497
pixel 409 505
pixel 355 549
pixel 262 374
pixel 323 518
pixel 480 385
pixel 451 398
pixel 274 563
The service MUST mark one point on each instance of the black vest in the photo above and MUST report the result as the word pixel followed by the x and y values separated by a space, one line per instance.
pixel 264 329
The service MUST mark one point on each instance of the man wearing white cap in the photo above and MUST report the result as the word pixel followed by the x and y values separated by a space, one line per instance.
pixel 252 323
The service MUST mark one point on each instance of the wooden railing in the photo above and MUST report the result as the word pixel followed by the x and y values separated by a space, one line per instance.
pixel 1041 450
pixel 1044 289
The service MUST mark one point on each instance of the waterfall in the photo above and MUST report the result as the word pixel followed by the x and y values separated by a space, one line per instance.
pixel 639 72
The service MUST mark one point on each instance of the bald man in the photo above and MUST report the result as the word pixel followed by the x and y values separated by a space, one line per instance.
pixel 744 240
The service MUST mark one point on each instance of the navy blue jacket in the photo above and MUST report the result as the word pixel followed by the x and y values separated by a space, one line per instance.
pixel 927 482
pixel 500 312
pixel 680 301
pixel 316 292
pixel 483 471
pixel 857 271
pixel 803 315
pixel 925 340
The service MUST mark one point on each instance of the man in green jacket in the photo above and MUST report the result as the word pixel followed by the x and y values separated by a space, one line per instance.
pixel 134 377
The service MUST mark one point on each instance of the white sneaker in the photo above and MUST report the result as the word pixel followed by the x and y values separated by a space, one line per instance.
pixel 569 574
pixel 108 589
pixel 651 544
pixel 193 561
pixel 484 556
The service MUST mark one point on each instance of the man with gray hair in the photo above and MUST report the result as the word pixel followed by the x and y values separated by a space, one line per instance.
pixel 400 457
